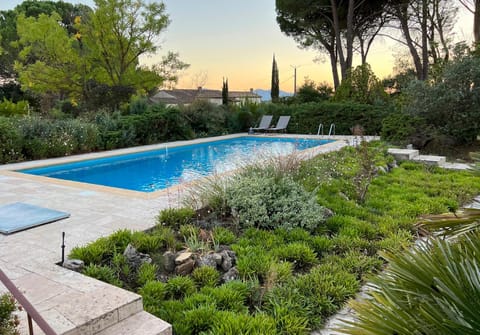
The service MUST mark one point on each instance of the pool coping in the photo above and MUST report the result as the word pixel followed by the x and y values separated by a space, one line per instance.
pixel 11 169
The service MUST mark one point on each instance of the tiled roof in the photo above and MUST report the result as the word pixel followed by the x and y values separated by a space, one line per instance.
pixel 187 96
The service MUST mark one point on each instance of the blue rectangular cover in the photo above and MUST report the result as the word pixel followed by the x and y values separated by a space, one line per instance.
pixel 20 216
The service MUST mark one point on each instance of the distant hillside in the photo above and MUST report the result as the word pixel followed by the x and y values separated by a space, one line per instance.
pixel 265 94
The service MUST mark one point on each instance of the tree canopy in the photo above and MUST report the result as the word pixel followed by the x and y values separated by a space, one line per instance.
pixel 70 51
pixel 333 27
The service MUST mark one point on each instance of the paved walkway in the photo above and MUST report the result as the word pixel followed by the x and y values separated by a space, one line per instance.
pixel 73 303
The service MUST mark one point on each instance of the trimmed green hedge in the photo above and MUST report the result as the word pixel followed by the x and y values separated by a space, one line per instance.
pixel 33 137
pixel 307 117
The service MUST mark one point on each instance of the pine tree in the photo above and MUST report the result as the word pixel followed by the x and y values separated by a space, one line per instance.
pixel 225 92
pixel 275 90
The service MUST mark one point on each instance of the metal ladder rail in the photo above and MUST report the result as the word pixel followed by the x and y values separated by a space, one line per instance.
pixel 320 129
pixel 332 130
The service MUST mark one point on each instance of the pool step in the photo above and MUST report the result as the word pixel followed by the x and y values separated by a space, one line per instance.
pixel 142 323
pixel 430 160
pixel 403 154
pixel 413 155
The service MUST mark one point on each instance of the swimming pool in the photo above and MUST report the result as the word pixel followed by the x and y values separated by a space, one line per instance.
pixel 155 170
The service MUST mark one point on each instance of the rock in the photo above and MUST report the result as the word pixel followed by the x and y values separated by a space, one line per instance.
pixel 169 261
pixel 327 212
pixel 135 258
pixel 392 165
pixel 183 257
pixel 185 268
pixel 74 264
pixel 383 169
pixel 228 259
pixel 211 260
pixel 230 275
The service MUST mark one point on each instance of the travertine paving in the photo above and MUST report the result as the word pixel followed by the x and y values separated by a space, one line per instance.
pixel 70 302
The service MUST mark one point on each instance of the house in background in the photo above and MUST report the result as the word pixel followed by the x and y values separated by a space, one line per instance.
pixel 187 96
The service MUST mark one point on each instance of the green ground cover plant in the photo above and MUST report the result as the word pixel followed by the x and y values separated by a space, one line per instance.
pixel 8 320
pixel 292 274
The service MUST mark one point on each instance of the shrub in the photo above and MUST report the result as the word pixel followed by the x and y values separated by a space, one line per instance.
pixel 223 236
pixel 180 287
pixel 228 323
pixel 278 273
pixel 156 125
pixel 306 117
pixel 400 127
pixel 175 217
pixel 95 252
pixel 166 236
pixel 294 235
pixel 450 104
pixel 253 262
pixel 198 320
pixel 315 295
pixel 147 243
pixel 103 273
pixel 8 320
pixel 172 311
pixel 43 138
pixel 205 118
pixel 226 298
pixel 146 272
pixel 9 108
pixel 119 240
pixel 288 322
pixel 299 253
pixel 205 276
pixel 259 237
pixel 269 202
pixel 321 245
pixel 10 141
pixel 198 299
pixel 153 293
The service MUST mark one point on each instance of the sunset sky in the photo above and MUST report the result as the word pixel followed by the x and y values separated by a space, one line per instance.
pixel 236 39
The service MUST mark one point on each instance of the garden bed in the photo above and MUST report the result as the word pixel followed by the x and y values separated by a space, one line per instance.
pixel 276 249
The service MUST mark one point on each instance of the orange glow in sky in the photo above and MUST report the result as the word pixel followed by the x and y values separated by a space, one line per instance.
pixel 237 39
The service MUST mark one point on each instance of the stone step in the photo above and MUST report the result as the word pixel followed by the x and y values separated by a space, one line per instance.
pixel 142 323
pixel 430 160
pixel 74 304
pixel 403 154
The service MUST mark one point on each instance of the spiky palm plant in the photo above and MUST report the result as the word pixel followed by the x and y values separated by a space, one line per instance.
pixel 431 289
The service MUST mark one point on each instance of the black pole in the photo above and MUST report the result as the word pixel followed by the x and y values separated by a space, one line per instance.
pixel 63 247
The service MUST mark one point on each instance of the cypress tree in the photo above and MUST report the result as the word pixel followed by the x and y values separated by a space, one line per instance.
pixel 275 90
pixel 225 92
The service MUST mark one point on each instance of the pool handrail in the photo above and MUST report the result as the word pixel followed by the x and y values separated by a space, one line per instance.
pixel 32 313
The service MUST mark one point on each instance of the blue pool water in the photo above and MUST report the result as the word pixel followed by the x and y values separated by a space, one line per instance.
pixel 156 170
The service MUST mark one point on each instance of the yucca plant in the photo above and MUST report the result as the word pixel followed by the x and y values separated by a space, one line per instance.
pixel 432 289
pixel 451 225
